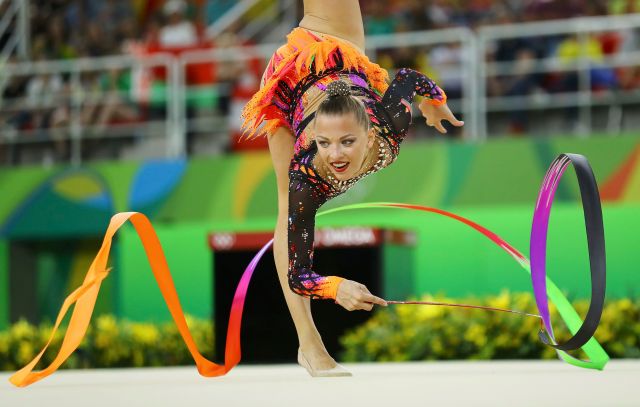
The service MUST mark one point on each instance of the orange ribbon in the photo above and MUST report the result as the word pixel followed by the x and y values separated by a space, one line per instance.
pixel 85 297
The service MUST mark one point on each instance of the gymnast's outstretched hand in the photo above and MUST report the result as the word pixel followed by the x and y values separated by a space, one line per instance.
pixel 352 296
pixel 436 113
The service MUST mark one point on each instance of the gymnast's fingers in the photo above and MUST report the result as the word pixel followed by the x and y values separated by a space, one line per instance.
pixel 448 116
pixel 372 299
pixel 438 125
pixel 453 120
pixel 365 306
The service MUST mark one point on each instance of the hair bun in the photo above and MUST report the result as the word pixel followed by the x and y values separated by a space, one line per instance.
pixel 338 88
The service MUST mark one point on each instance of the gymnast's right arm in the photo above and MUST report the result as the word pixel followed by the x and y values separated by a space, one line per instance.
pixel 304 201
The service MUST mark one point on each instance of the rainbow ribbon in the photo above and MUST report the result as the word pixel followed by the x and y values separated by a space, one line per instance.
pixel 84 297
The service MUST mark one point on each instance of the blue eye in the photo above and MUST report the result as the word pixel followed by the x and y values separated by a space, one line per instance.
pixel 347 142
pixel 322 143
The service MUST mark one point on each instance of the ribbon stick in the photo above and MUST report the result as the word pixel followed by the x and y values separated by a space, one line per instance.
pixel 445 304
pixel 583 331
pixel 598 357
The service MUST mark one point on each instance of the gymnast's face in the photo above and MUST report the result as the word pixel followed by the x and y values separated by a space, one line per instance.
pixel 342 144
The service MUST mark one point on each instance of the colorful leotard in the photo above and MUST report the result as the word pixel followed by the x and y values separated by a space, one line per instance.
pixel 291 101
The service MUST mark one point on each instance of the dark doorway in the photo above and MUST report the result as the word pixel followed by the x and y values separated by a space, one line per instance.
pixel 268 334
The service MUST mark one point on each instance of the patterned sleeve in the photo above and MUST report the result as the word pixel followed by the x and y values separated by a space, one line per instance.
pixel 395 107
pixel 304 201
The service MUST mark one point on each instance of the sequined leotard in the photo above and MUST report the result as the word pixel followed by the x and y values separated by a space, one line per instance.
pixel 390 116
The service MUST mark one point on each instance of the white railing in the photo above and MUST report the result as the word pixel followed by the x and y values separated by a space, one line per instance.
pixel 16 11
pixel 583 98
pixel 212 129
pixel 78 101
pixel 230 17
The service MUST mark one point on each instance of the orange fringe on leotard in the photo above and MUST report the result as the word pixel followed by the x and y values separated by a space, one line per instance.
pixel 292 62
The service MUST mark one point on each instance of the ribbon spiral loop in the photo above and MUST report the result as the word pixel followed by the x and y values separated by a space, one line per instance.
pixel 595 240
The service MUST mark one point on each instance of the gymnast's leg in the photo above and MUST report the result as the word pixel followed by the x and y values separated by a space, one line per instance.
pixel 281 148
pixel 339 18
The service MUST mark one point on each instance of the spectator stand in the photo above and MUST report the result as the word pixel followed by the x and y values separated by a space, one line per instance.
pixel 580 68
pixel 77 110
pixel 502 67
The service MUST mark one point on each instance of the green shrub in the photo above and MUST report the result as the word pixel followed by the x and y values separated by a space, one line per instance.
pixel 108 343
pixel 396 333
pixel 425 332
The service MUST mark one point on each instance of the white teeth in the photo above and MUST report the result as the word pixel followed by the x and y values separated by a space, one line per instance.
pixel 339 165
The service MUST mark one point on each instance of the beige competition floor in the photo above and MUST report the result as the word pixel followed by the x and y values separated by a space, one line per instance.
pixel 509 383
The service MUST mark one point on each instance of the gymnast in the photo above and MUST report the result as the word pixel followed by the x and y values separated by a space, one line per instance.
pixel 331 118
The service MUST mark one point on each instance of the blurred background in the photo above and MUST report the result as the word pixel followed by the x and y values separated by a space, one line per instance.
pixel 113 105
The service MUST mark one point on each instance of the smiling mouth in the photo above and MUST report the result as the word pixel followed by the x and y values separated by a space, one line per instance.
pixel 339 166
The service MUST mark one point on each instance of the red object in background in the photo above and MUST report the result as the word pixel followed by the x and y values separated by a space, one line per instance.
pixel 628 76
pixel 148 9
pixel 205 73
pixel 610 42
pixel 257 143
pixel 196 74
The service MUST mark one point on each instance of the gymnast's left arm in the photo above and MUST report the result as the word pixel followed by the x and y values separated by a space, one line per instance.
pixel 398 98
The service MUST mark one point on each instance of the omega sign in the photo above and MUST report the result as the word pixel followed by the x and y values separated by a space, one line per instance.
pixel 223 241
pixel 346 237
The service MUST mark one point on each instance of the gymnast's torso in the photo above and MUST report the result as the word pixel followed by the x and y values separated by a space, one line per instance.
pixel 293 87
